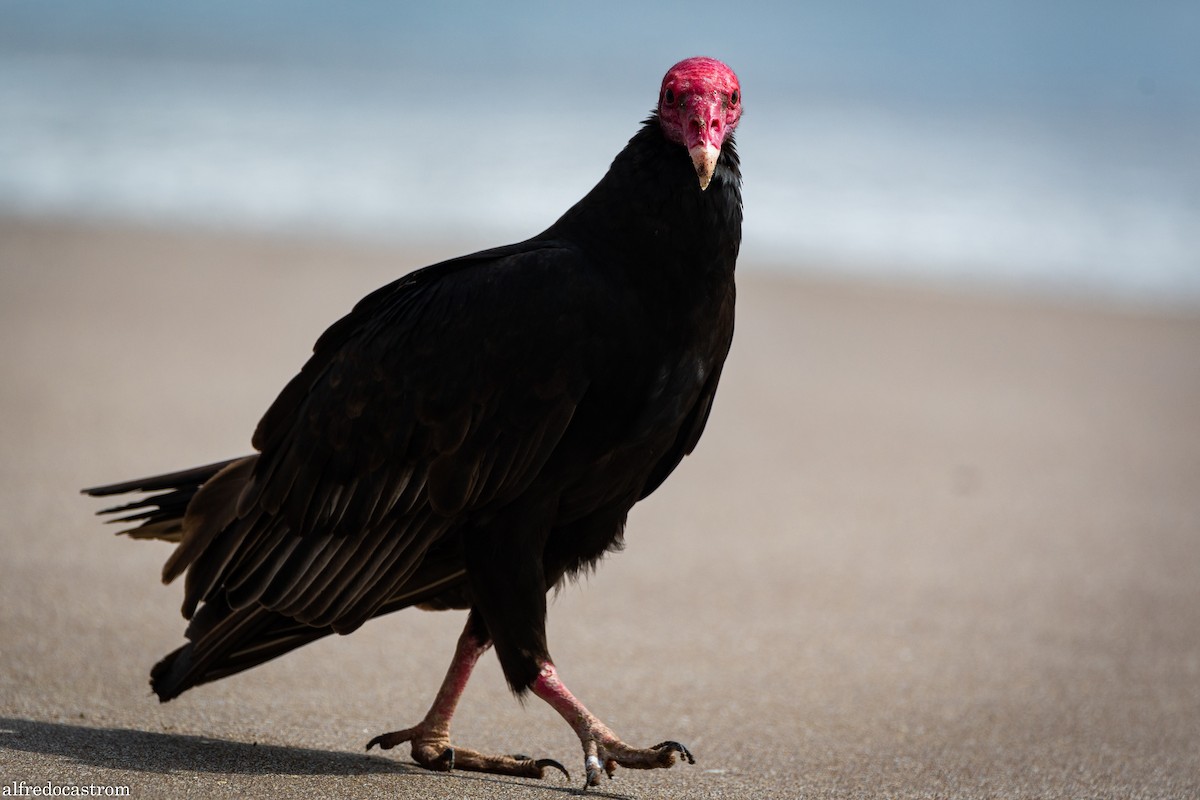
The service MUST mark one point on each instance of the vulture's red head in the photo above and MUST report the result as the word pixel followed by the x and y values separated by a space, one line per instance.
pixel 700 104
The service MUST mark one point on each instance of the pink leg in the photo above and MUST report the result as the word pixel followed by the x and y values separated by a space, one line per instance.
pixel 431 747
pixel 600 745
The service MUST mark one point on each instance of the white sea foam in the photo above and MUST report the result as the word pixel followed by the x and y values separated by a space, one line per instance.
pixel 1033 199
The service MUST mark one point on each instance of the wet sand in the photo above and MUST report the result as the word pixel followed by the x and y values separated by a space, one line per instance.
pixel 932 545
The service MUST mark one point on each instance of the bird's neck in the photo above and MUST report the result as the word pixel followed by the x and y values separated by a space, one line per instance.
pixel 649 213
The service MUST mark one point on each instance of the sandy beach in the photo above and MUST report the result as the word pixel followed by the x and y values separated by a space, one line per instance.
pixel 932 545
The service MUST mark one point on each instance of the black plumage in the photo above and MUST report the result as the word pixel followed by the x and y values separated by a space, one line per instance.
pixel 470 434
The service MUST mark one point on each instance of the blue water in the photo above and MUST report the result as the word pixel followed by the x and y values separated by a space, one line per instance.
pixel 1042 146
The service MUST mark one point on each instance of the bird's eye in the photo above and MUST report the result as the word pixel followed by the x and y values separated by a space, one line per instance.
pixel 669 97
pixel 733 98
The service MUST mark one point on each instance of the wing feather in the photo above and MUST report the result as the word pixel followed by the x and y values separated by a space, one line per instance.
pixel 424 405
pixel 306 559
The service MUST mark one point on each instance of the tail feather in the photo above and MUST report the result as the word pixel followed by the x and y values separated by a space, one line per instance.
pixel 161 515
pixel 193 477
pixel 223 640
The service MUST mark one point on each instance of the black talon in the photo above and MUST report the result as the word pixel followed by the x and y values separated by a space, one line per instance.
pixel 382 741
pixel 446 759
pixel 590 778
pixel 386 741
pixel 679 748
pixel 542 763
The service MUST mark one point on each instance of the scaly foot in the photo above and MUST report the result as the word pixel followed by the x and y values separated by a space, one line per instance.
pixel 433 751
pixel 605 749
pixel 602 750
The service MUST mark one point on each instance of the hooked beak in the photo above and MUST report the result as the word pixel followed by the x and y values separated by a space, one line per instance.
pixel 704 135
pixel 704 159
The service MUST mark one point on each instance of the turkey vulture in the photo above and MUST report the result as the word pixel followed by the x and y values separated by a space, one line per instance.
pixel 475 433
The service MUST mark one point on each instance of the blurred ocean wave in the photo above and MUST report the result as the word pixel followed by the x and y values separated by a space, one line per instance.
pixel 1013 155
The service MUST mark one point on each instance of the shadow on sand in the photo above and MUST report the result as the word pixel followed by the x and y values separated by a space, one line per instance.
pixel 145 751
